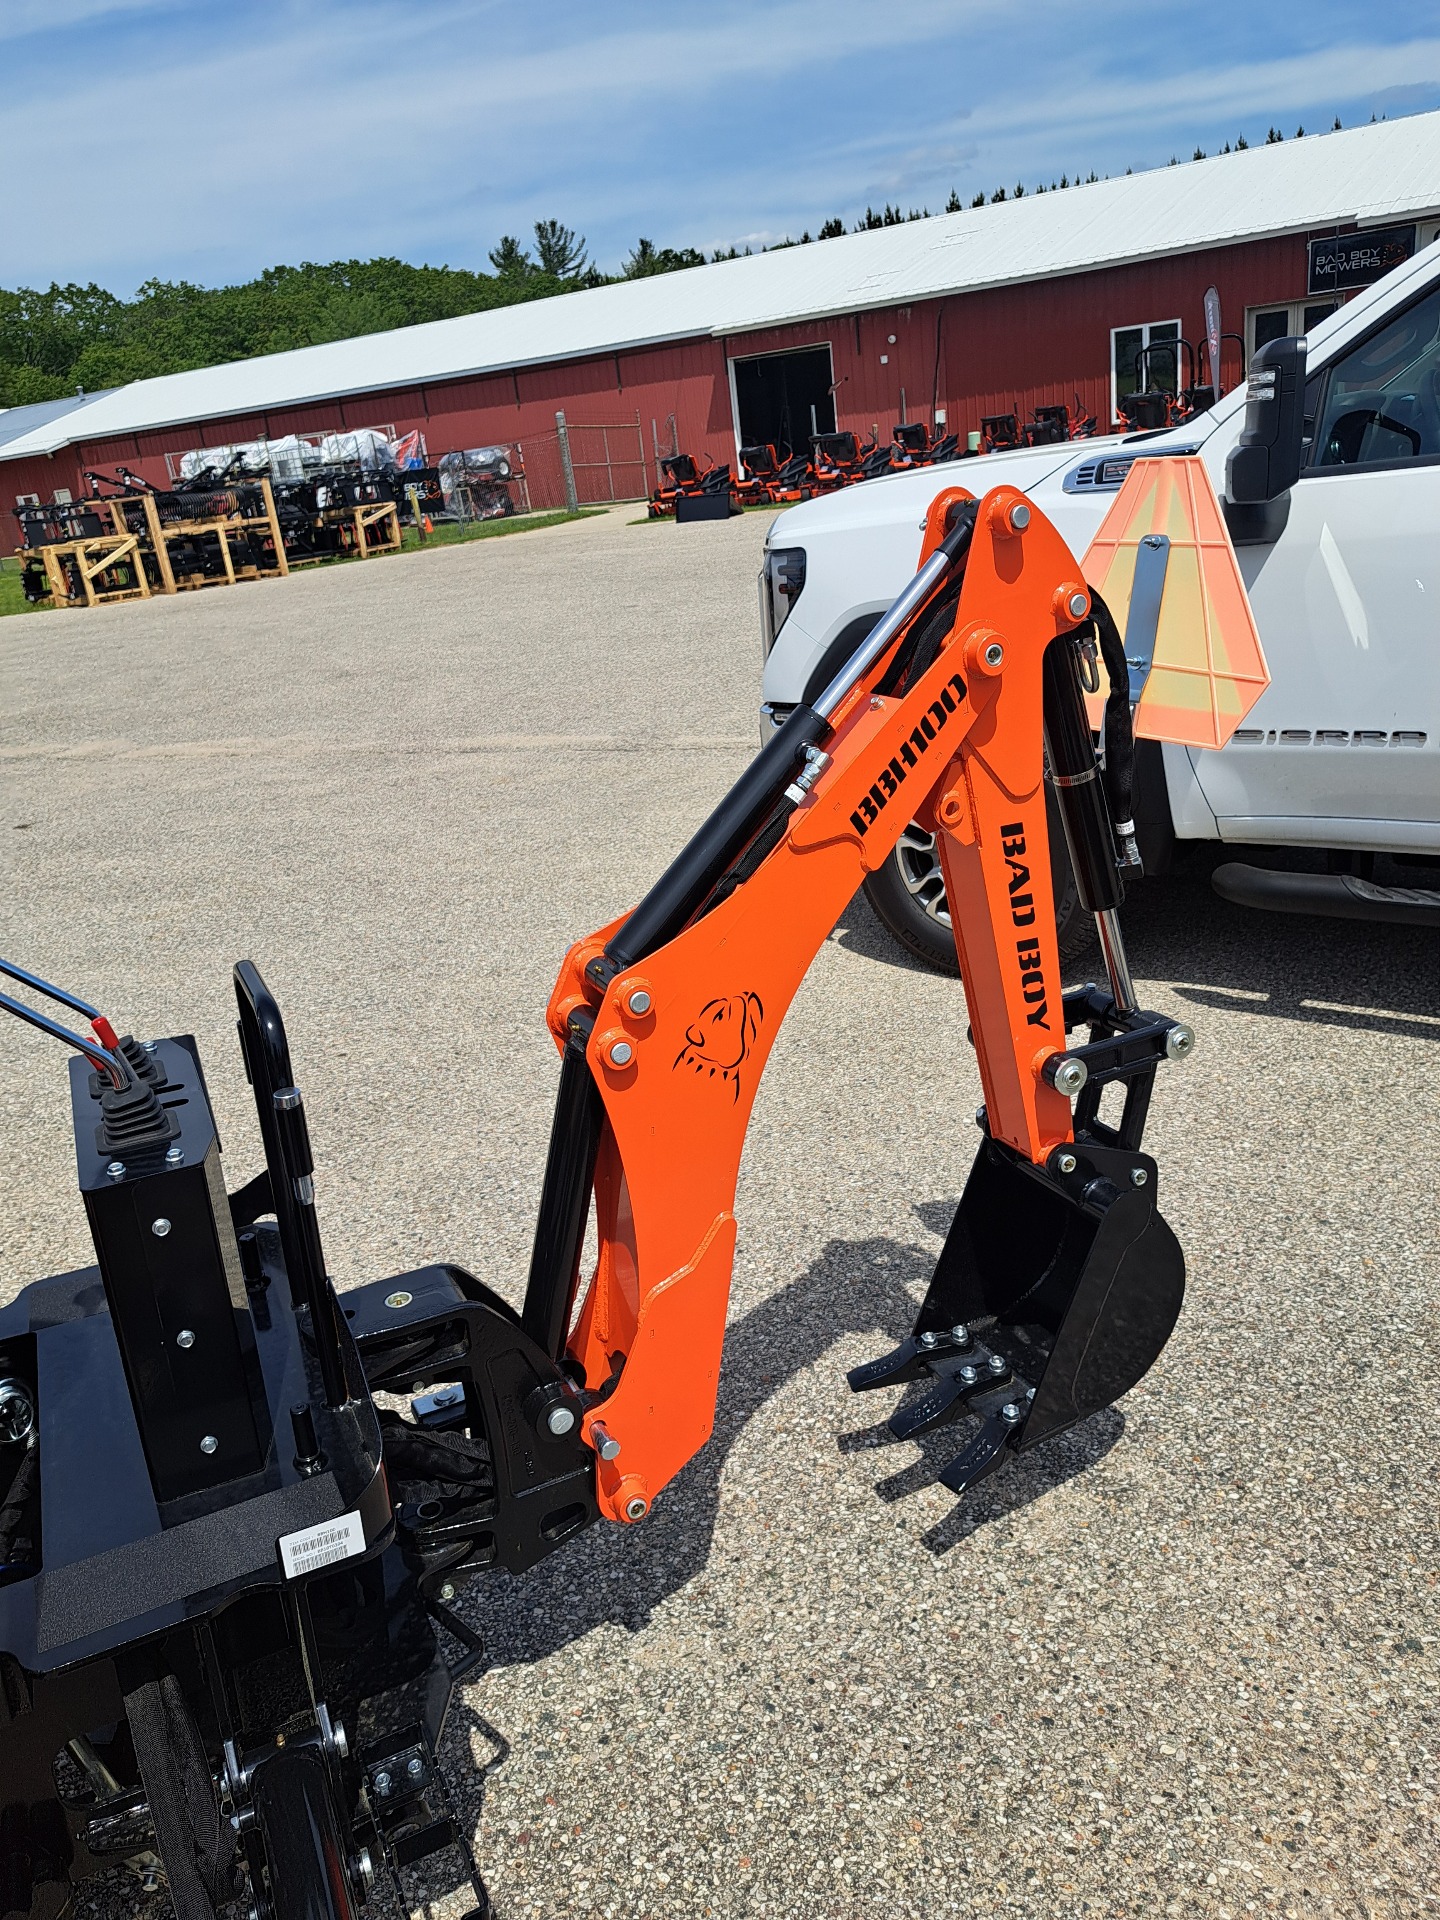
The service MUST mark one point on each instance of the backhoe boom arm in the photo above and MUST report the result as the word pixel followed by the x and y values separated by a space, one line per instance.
pixel 665 1019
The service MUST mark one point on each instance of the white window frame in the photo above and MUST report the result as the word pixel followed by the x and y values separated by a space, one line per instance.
pixel 732 361
pixel 1296 323
pixel 1144 327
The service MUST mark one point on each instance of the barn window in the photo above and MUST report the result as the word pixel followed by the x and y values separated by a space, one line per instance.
pixel 1283 321
pixel 1132 366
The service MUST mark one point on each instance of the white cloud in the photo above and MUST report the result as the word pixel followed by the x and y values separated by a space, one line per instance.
pixel 288 130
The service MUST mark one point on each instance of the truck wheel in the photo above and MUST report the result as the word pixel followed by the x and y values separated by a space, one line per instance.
pixel 908 894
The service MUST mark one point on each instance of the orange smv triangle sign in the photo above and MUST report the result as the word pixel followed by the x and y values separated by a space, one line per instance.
pixel 1208 668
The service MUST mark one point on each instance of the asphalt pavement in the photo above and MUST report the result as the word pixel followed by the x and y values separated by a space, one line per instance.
pixel 1180 1662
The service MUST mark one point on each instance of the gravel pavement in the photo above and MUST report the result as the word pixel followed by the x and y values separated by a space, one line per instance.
pixel 1180 1662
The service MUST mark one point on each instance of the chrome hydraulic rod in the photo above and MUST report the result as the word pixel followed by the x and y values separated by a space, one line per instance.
pixel 1117 965
pixel 952 548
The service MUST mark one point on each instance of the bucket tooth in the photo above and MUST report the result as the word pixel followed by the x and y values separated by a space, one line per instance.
pixel 983 1455
pixel 895 1369
pixel 945 1399
pixel 911 1360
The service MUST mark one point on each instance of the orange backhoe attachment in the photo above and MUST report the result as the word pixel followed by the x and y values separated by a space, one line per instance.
pixel 1059 1282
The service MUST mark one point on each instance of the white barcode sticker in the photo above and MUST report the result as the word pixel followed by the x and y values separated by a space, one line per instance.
pixel 322 1546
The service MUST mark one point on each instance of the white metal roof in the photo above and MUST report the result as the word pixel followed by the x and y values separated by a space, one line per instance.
pixel 1368 174
pixel 18 421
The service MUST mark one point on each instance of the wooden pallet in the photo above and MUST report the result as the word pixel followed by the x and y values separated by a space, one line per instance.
pixel 377 529
pixel 93 556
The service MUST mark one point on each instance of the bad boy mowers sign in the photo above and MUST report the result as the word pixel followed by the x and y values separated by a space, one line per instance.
pixel 1357 259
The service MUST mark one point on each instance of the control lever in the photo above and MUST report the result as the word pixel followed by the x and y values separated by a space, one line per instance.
pixel 104 1054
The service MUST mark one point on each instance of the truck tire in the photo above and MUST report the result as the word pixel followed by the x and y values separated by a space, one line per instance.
pixel 908 894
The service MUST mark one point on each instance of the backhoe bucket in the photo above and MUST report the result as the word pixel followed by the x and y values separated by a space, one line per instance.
pixel 1056 1290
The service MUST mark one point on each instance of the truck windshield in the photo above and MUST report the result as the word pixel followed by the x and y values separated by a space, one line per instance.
pixel 1382 402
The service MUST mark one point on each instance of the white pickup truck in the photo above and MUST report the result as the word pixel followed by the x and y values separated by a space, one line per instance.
pixel 1340 552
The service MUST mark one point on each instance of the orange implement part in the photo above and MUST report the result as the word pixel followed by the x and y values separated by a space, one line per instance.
pixel 1209 668
pixel 962 740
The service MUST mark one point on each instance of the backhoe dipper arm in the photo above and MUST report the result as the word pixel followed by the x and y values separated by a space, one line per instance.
pixel 665 1020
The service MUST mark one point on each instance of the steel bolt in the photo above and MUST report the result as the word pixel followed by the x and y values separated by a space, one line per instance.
pixel 994 654
pixel 116 1169
pixel 1018 517
pixel 980 1118
pixel 960 1335
pixel 969 1375
pixel 447 1592
pixel 160 1227
pixel 998 1364
pixel 603 1441
pixel 396 1301
pixel 185 1338
pixel 1010 1411
pixel 928 1339
pixel 1066 1163
pixel 1138 1176
pixel 175 1157
pixel 636 1509
pixel 209 1443
pixel 382 1783
pixel 560 1421
pixel 639 1002
pixel 415 1766
pixel 1070 1077
pixel 621 1053
pixel 1078 605
pixel 1179 1041
pixel 151 1046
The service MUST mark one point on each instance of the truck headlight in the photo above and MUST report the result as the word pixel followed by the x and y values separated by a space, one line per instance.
pixel 782 578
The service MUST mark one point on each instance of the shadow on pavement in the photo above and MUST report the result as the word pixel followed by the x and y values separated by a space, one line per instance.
pixel 619 1576
pixel 1346 973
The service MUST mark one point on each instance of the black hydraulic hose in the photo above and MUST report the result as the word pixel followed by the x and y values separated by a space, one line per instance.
pixel 1119 726
pixel 694 871
pixel 1076 779
pixel 564 1196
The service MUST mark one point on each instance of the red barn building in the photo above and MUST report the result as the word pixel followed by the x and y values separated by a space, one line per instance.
pixel 1043 300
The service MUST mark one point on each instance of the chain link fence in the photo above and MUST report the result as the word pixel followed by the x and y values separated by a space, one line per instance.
pixel 585 463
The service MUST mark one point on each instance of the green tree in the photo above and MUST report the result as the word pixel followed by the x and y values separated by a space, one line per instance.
pixel 559 251
pixel 510 260
pixel 832 229
pixel 648 259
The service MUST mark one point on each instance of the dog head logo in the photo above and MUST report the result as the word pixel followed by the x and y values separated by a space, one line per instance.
pixel 719 1038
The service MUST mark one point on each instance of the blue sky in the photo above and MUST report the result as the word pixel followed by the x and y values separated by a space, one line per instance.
pixel 172 138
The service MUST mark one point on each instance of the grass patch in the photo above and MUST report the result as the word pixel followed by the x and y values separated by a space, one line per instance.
pixel 446 534
pixel 12 599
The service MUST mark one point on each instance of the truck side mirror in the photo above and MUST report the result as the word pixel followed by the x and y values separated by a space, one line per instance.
pixel 1265 461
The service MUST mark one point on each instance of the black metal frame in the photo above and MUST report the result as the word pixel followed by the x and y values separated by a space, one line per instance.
pixel 201 1398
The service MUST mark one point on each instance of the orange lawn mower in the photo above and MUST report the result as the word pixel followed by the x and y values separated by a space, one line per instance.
pixel 758 467
pixel 837 459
